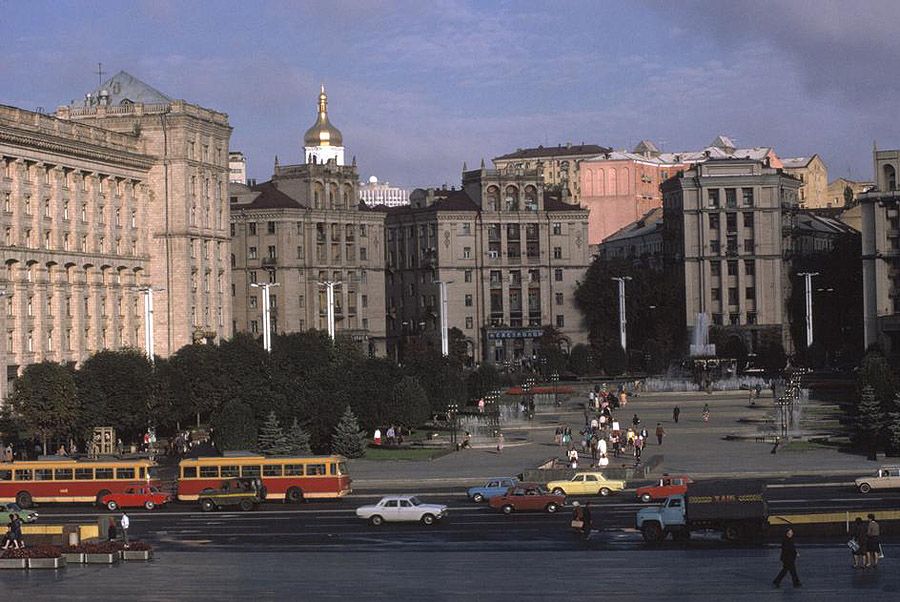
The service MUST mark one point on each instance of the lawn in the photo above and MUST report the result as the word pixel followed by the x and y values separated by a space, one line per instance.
pixel 404 453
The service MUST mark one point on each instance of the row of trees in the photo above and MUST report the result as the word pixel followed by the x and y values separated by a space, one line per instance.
pixel 242 392
pixel 876 423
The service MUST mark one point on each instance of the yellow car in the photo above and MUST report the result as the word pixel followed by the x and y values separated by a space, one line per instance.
pixel 586 483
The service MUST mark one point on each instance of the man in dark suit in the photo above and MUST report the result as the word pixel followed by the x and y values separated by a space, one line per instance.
pixel 788 560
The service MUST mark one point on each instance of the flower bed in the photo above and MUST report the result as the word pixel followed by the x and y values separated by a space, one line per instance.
pixel 33 552
pixel 35 557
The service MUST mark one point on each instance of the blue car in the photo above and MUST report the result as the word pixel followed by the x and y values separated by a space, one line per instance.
pixel 493 487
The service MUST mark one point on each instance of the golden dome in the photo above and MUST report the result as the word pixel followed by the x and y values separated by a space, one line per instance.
pixel 322 133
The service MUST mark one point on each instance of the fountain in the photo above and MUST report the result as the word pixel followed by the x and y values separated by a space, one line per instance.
pixel 700 345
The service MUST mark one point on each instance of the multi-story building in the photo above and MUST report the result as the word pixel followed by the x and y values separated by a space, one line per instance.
pixel 642 239
pixel 558 165
pixel 510 254
pixel 618 187
pixel 96 203
pixel 237 167
pixel 881 254
pixel 843 192
pixel 813 176
pixel 187 220
pixel 728 224
pixel 374 193
pixel 302 228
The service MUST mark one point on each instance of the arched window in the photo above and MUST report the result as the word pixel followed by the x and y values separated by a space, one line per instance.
pixel 531 202
pixel 512 198
pixel 318 195
pixel 493 198
pixel 890 177
pixel 333 197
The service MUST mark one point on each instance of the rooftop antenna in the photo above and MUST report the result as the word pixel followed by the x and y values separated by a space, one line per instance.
pixel 100 74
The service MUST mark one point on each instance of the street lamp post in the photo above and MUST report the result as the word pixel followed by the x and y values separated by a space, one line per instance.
pixel 807 278
pixel 329 303
pixel 622 321
pixel 445 335
pixel 149 344
pixel 267 312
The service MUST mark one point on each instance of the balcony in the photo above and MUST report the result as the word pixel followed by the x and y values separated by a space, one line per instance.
pixel 270 261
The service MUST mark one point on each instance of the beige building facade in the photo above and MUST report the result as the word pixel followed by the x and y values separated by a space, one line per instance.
pixel 813 176
pixel 510 254
pixel 881 254
pixel 560 166
pixel 728 225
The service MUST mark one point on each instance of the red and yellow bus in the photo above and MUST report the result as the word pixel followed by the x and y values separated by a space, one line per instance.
pixel 67 480
pixel 292 479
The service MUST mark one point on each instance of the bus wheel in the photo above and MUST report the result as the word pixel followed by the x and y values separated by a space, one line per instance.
pixel 294 495
pixel 207 505
pixel 23 499
pixel 103 493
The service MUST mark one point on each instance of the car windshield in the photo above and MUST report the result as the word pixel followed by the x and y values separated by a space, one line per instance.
pixel 415 501
pixel 13 507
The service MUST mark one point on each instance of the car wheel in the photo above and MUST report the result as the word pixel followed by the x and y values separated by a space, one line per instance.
pixel 23 499
pixel 508 509
pixel 604 491
pixel 428 519
pixel 552 507
pixel 863 488
pixel 112 506
pixel 478 498
pixel 149 505
pixel 376 520
pixel 559 491
pixel 246 505
pixel 733 532
pixel 207 505
pixel 294 495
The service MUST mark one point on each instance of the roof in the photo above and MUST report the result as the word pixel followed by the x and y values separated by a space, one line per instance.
pixel 649 223
pixel 723 142
pixel 757 153
pixel 819 223
pixel 124 88
pixel 269 197
pixel 646 146
pixel 554 151
pixel 796 162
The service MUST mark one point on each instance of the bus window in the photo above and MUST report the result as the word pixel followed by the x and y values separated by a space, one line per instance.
pixel 189 472
pixel 315 469
pixel 230 471
pixel 43 474
pixel 250 471
pixel 272 470
pixel 333 468
pixel 209 472
pixel 342 468
pixel 62 474
pixel 125 473
pixel 293 470
pixel 23 474
pixel 5 475
pixel 103 473
pixel 84 474
pixel 143 472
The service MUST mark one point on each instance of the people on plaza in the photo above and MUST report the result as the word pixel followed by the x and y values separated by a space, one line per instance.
pixel 557 436
pixel 859 534
pixel 111 529
pixel 61 451
pixel 788 560
pixel 467 440
pixel 705 412
pixel 500 443
pixel 125 522
pixel 873 542
pixel 586 518
pixel 675 413
pixel 603 462
pixel 11 539
pixel 660 433
pixel 391 436
pixel 635 420
pixel 481 405
pixel 377 438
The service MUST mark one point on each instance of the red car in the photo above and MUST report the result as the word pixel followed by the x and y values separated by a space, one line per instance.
pixel 135 497
pixel 668 485
pixel 525 497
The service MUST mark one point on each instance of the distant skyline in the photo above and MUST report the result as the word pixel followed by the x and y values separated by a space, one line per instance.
pixel 418 88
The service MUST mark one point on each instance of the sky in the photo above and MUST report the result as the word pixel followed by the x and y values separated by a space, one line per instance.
pixel 418 88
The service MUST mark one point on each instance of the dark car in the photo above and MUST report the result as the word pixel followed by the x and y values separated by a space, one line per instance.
pixel 244 493
pixel 527 497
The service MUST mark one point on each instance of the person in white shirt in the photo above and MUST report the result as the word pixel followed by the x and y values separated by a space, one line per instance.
pixel 124 522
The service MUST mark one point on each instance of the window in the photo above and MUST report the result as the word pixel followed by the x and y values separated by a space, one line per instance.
pixel 749 267
pixel 747 196
pixel 84 474
pixel 557 252
pixel 188 472
pixel 253 302
pixel 23 474
pixel 43 474
pixel 103 473
pixel 732 268
pixel 271 252
pixel 716 294
pixel 124 473
pixel 293 470
pixel 272 470
pixel 467 275
pixel 748 219
pixel 751 317
pixel 468 300
pixel 363 254
pixel 209 472
pixel 730 198
pixel 714 221
pixel 715 247
pixel 750 293
pixel 713 196
pixel 270 227
pixel 229 471
pixel 560 321
pixel 748 245
pixel 731 221
pixel 467 252
pixel 469 322
pixel 252 227
pixel 557 228
pixel 62 474
pixel 315 469
pixel 559 298
pixel 252 276
pixel 715 268
pixel 732 296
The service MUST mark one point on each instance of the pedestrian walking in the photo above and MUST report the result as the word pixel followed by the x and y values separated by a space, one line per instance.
pixel 705 412
pixel 788 560
pixel 377 438
pixel 125 522
pixel 859 536
pixel 111 529
pixel 603 462
pixel 675 413
pixel 635 420
pixel 873 542
pixel 481 406
pixel 586 517
pixel 9 540
pixel 660 433
pixel 500 443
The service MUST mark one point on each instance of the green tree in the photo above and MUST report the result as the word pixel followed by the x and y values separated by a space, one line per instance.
pixel 271 440
pixel 458 348
pixel 581 360
pixel 869 421
pixel 409 403
pixel 848 196
pixel 893 426
pixel 45 399
pixel 297 440
pixel 234 426
pixel 482 381
pixel 614 359
pixel 348 440
pixel 875 371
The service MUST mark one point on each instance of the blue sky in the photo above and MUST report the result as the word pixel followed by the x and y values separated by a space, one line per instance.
pixel 417 88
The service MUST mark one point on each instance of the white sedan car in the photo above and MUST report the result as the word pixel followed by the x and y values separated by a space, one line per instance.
pixel 402 508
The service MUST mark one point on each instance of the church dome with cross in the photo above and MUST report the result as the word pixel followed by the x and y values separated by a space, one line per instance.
pixel 323 142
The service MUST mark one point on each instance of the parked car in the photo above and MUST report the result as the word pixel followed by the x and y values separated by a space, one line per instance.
pixel 586 483
pixel 135 497
pixel 495 486
pixel 667 485
pixel 245 493
pixel 527 497
pixel 402 508
pixel 26 516
pixel 887 477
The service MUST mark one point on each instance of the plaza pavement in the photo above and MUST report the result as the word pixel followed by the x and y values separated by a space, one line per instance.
pixel 691 446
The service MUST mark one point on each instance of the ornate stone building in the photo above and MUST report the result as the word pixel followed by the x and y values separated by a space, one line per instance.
pixel 558 165
pixel 303 227
pixel 511 256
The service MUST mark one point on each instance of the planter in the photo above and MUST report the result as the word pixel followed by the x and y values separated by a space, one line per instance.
pixel 74 557
pixel 137 554
pixel 47 563
pixel 111 558
pixel 13 563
